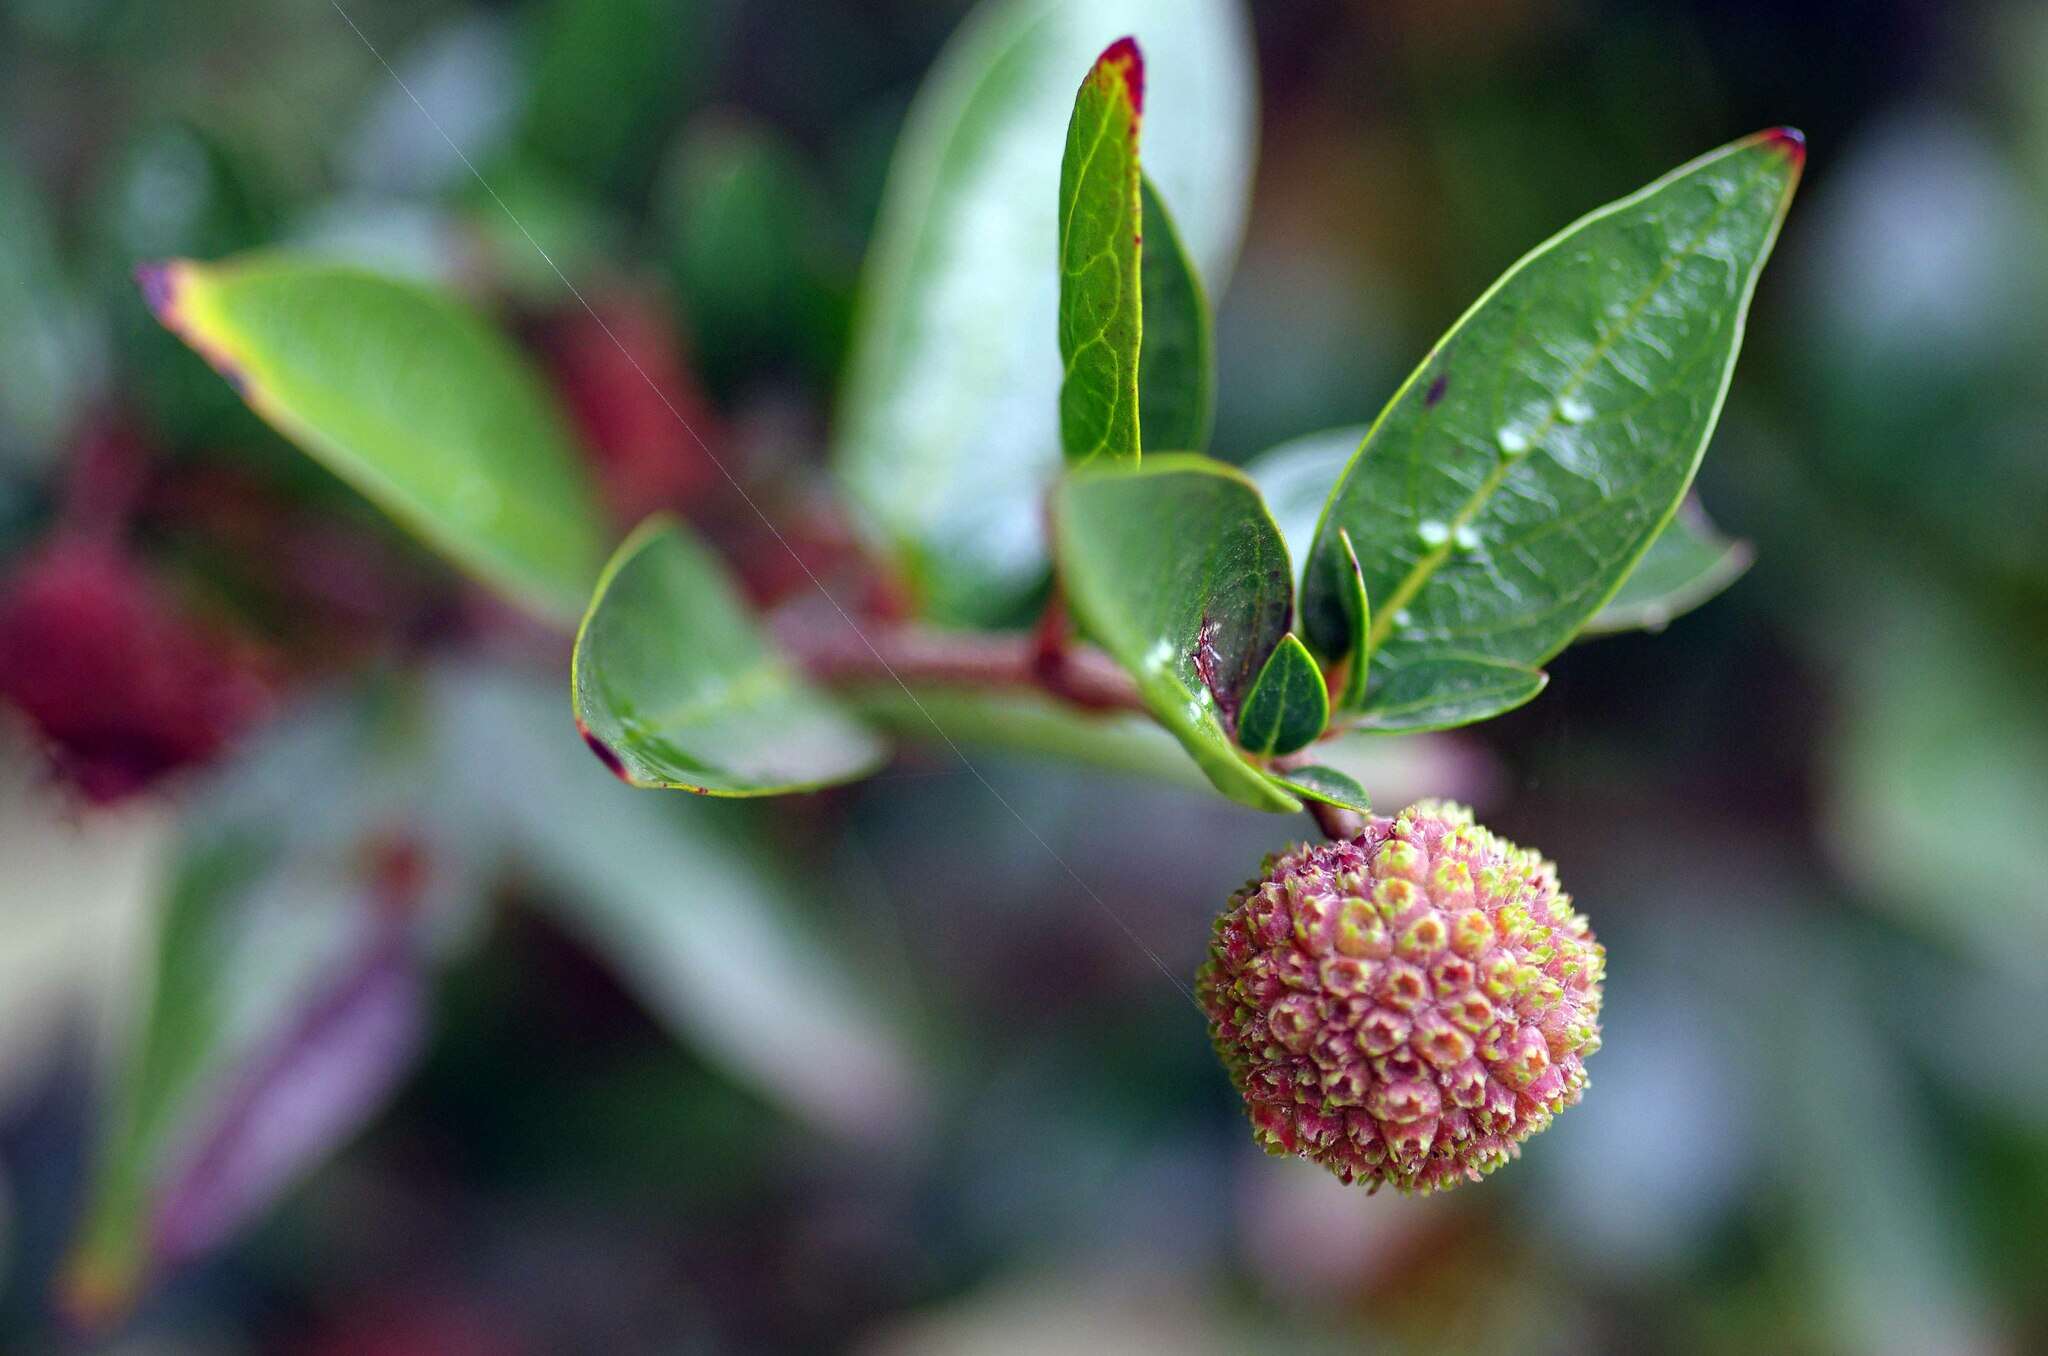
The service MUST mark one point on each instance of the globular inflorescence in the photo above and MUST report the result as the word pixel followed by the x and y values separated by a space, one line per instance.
pixel 1408 1005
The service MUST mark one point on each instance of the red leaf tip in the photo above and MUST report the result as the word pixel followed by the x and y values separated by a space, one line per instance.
pixel 1124 57
pixel 1789 141
pixel 159 289
pixel 604 753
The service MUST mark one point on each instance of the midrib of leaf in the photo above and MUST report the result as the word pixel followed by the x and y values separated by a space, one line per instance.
pixel 1425 568
pixel 1074 270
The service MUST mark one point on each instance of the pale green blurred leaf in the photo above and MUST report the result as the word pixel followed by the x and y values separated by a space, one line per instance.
pixel 1688 563
pixel 700 925
pixel 948 429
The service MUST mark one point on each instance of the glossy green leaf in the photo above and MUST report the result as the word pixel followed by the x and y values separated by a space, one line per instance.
pixel 1288 705
pixel 410 398
pixel 1177 359
pixel 677 685
pixel 1328 785
pixel 1176 569
pixel 948 431
pixel 1101 291
pixel 1440 692
pixel 1689 563
pixel 1527 464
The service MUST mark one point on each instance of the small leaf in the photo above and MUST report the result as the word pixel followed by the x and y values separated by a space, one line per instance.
pixel 1101 291
pixel 1177 360
pixel 1177 570
pixel 1358 616
pixel 677 686
pixel 1438 693
pixel 1328 785
pixel 410 398
pixel 1689 563
pixel 1288 706
pixel 948 432
pixel 1526 465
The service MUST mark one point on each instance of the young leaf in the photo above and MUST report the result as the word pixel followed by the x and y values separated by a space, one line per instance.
pixel 1288 706
pixel 1328 785
pixel 948 431
pixel 1176 569
pixel 411 399
pixel 1358 615
pixel 1177 358
pixel 677 686
pixel 1689 563
pixel 1100 287
pixel 1527 464
pixel 1437 692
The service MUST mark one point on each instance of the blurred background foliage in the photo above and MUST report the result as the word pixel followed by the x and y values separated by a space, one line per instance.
pixel 910 1090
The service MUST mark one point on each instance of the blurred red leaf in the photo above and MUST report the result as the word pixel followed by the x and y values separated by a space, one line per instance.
pixel 123 685
pixel 621 369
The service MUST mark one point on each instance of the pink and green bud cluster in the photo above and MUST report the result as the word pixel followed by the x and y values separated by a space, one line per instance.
pixel 1406 1006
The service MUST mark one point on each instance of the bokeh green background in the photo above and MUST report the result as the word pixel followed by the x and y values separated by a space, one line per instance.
pixel 1806 820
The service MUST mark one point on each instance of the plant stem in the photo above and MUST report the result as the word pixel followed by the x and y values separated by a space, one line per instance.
pixel 1334 820
pixel 836 654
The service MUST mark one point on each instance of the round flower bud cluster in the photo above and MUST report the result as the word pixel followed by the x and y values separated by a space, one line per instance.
pixel 1406 1006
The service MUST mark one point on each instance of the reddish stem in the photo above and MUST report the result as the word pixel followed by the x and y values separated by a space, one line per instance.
pixel 836 654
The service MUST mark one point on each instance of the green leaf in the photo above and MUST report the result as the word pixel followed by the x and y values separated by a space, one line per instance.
pixel 410 398
pixel 1358 615
pixel 1689 563
pixel 1175 568
pixel 1100 286
pixel 948 431
pixel 677 686
pixel 1288 706
pixel 1437 692
pixel 1527 464
pixel 1328 785
pixel 1177 359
